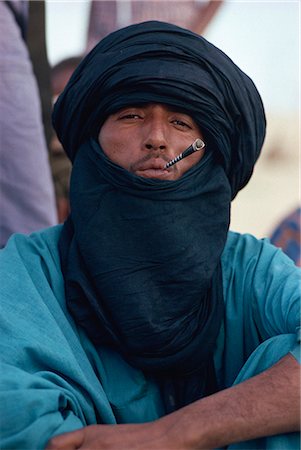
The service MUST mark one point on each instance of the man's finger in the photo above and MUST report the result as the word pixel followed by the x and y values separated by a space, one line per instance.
pixel 67 441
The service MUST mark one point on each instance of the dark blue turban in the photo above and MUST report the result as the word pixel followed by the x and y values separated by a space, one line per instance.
pixel 159 62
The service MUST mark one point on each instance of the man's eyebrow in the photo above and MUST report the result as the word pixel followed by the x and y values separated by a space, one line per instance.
pixel 142 105
pixel 173 109
pixel 170 108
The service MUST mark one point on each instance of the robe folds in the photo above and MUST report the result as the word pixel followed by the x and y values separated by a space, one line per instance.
pixel 54 380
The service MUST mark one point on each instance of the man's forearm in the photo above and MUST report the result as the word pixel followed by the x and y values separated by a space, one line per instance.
pixel 261 406
pixel 264 405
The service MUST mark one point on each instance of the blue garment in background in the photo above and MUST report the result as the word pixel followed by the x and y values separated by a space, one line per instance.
pixel 287 236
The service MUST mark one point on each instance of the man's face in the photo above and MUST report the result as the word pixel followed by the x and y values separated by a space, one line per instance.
pixel 142 139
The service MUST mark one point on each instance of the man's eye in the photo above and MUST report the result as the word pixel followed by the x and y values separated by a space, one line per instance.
pixel 130 116
pixel 180 123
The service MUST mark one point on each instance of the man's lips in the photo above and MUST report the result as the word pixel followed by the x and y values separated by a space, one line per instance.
pixel 152 164
pixel 152 168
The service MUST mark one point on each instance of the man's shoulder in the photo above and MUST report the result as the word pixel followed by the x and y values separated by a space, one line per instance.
pixel 244 245
pixel 246 252
pixel 31 272
pixel 31 251
pixel 33 242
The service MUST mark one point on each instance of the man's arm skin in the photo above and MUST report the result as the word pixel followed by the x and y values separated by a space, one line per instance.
pixel 264 405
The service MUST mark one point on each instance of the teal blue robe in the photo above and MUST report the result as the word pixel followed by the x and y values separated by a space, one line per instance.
pixel 53 380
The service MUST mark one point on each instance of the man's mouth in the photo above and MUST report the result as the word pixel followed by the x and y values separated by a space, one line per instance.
pixel 153 168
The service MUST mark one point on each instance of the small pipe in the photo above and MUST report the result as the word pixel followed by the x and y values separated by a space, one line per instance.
pixel 197 145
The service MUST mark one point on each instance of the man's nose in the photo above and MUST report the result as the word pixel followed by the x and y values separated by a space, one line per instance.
pixel 155 136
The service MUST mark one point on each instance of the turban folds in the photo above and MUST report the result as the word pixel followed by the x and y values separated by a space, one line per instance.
pixel 159 62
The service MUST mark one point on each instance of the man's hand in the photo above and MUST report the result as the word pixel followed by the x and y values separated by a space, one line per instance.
pixel 119 437
pixel 264 405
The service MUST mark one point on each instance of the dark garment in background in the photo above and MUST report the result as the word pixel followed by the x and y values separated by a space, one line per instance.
pixel 61 170
pixel 36 42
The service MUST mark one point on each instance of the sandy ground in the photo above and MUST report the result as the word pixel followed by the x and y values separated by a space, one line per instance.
pixel 274 189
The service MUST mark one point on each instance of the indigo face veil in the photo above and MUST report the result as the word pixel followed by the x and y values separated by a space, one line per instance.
pixel 141 257
pixel 142 267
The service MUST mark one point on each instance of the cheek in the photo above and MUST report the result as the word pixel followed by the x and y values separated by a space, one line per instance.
pixel 115 150
pixel 192 160
pixel 116 153
pixel 106 138
pixel 108 142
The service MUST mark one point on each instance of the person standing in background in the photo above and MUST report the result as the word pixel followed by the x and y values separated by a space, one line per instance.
pixel 109 15
pixel 26 188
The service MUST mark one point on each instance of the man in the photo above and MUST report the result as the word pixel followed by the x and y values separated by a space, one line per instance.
pixel 143 322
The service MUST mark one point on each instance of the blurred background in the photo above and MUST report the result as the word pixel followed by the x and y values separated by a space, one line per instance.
pixel 263 39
